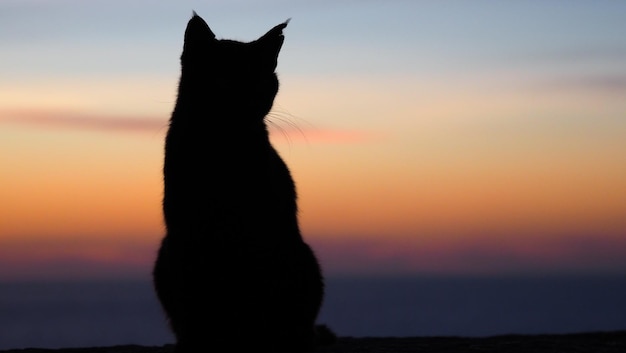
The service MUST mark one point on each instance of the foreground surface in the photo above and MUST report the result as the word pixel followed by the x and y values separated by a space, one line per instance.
pixel 584 342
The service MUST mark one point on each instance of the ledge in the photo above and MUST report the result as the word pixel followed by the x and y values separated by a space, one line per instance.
pixel 595 342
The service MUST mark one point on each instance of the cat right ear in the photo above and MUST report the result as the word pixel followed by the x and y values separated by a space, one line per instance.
pixel 197 32
pixel 270 44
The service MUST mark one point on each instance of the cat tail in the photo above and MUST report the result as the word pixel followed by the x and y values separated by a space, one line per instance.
pixel 324 335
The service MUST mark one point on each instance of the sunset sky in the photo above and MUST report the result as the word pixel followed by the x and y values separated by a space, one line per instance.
pixel 425 137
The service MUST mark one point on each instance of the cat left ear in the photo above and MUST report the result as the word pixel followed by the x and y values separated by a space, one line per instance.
pixel 197 32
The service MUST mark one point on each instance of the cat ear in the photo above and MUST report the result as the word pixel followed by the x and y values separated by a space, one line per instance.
pixel 277 31
pixel 197 32
pixel 271 42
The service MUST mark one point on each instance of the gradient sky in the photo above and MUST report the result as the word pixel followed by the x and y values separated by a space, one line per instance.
pixel 432 137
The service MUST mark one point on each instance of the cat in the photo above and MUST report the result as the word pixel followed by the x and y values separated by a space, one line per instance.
pixel 233 269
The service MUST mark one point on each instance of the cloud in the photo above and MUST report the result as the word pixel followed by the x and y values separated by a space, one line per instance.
pixel 119 123
pixel 493 255
pixel 322 135
pixel 614 54
pixel 74 257
pixel 81 120
pixel 615 84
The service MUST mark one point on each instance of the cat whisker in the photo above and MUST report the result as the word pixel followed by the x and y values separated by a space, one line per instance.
pixel 283 117
pixel 282 131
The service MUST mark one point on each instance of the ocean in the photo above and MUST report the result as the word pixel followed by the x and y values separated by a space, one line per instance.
pixel 102 313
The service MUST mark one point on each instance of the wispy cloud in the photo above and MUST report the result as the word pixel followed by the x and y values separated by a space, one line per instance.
pixel 141 124
pixel 595 83
pixel 81 120
pixel 549 253
pixel 322 135
pixel 585 54
pixel 34 257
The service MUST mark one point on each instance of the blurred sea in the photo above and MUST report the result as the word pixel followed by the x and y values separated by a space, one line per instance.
pixel 102 313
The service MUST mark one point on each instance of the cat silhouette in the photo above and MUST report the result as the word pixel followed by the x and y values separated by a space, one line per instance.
pixel 233 269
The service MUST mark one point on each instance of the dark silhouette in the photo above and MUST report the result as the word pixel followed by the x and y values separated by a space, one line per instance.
pixel 233 269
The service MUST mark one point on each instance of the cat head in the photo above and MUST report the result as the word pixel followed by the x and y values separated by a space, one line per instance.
pixel 229 75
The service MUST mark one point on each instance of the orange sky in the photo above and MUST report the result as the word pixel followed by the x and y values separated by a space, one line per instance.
pixel 422 198
pixel 410 154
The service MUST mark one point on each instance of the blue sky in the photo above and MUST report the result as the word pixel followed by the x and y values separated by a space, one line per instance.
pixel 394 36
